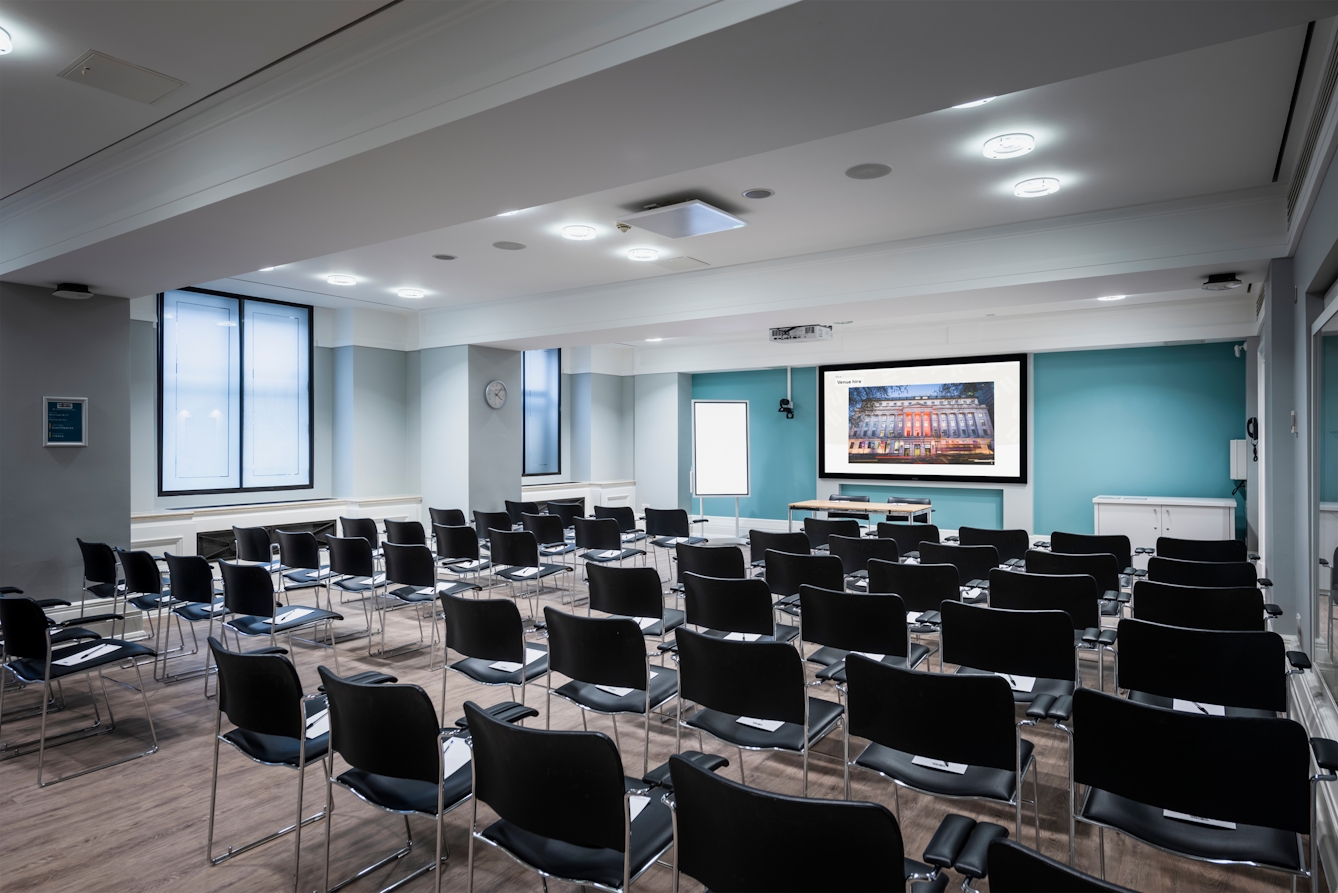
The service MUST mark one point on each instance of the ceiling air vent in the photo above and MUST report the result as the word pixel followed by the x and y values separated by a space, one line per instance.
pixel 678 221
pixel 1322 98
pixel 94 69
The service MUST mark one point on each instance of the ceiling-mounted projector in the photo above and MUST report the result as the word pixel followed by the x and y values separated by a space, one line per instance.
pixel 1221 282
pixel 75 291
pixel 802 333
pixel 678 221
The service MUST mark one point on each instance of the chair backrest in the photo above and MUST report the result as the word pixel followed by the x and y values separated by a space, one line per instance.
pixel 141 572
pixel 406 533
pixel 1208 766
pixel 363 527
pixel 1201 573
pixel 630 591
pixel 547 529
pixel 841 497
pixel 598 533
pixel 889 705
pixel 1087 544
pixel 1234 669
pixel 908 536
pixel 259 692
pixel 732 837
pixel 1022 643
pixel 597 650
pixel 567 786
pixel 1075 595
pixel 760 541
pixel 728 604
pixel 388 730
pixel 192 578
pixel 485 521
pixel 1201 550
pixel 972 562
pixel 99 562
pixel 484 628
pixel 851 621
pixel 667 522
pixel 299 549
pixel 514 548
pixel 1102 567
pixel 923 587
pixel 456 541
pixel 1015 868
pixel 710 561
pixel 252 544
pixel 818 529
pixel 247 589
pixel 515 509
pixel 1009 543
pixel 351 556
pixel 24 625
pixel 1200 607
pixel 623 514
pixel 566 510
pixel 855 552
pixel 786 572
pixel 764 680
pixel 447 517
pixel 410 565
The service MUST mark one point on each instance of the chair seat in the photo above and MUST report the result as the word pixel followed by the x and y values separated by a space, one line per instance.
pixel 305 578
pixel 1142 697
pixel 545 570
pixel 105 590
pixel 249 625
pixel 652 834
pixel 822 715
pixel 1057 687
pixel 663 686
pixel 153 601
pixel 193 612
pixel 409 794
pixel 278 750
pixel 1245 843
pixel 600 556
pixel 467 566
pixel 977 781
pixel 557 549
pixel 30 670
pixel 673 619
pixel 784 633
pixel 837 671
pixel 412 595
pixel 357 584
pixel 669 542
pixel 481 670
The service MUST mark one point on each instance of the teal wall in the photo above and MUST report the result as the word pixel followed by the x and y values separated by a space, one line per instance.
pixel 1150 421
pixel 954 507
pixel 783 456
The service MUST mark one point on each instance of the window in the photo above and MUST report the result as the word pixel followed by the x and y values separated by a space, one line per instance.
pixel 541 398
pixel 234 393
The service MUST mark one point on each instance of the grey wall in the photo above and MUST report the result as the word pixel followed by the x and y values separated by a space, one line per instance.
pixel 602 426
pixel 662 445
pixel 444 427
pixel 494 434
pixel 48 496
pixel 371 422
pixel 1282 548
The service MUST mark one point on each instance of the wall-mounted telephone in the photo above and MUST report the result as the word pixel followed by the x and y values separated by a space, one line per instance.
pixel 1252 432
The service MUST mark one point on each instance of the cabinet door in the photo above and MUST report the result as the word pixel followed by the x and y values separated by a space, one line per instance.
pixel 1198 522
pixel 1140 521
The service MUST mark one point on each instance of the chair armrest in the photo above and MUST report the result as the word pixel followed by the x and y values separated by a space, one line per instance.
pixel 1107 637
pixel 1015 562
pixel 1144 550
pixel 51 602
pixel 1061 709
pixel 1041 544
pixel 830 670
pixel 950 539
pixel 71 634
pixel 1039 708
pixel 948 841
pixel 1129 571
pixel 1264 582
pixel 91 618
pixel 914 553
pixel 1254 556
pixel 1326 753
pixel 14 590
pixel 786 600
pixel 930 617
pixel 699 520
pixel 506 711
pixel 1091 635
pixel 1272 610
pixel 973 860
pixel 1323 562
pixel 1299 660
pixel 667 646
pixel 270 650
pixel 659 776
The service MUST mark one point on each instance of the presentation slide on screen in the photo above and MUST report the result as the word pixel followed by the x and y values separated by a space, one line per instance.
pixel 940 420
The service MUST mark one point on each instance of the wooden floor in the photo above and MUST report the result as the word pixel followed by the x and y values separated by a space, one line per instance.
pixel 141 826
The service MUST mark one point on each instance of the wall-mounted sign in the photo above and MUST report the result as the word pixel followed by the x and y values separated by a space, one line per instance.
pixel 64 421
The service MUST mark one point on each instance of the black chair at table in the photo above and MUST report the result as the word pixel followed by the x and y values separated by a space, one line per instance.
pixel 411 582
pixel 300 565
pixel 926 513
pixel 447 517
pixel 708 561
pixel 486 521
pixel 1074 594
pixel 405 533
pixel 1202 550
pixel 516 510
pixel 908 536
pixel 751 695
pixel 515 557
pixel 1202 607
pixel 490 636
pixel 787 571
pixel 1014 868
pixel 602 541
pixel 198 600
pixel 733 607
pixel 101 579
pixel 248 592
pixel 1012 545
pixel 1103 567
pixel 973 563
pixel 841 497
pixel 566 511
pixel 253 545
pixel 1203 573
pixel 365 528
pixel 626 519
pixel 819 529
pixel 633 592
pixel 549 531
pixel 762 541
pixel 841 623
pixel 458 550
pixel 856 552
pixel 144 590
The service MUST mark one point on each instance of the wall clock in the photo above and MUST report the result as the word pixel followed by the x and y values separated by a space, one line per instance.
pixel 495 394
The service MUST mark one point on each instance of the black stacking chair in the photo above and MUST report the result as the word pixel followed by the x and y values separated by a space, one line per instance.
pixel 1201 550
pixel 274 724
pixel 144 590
pixel 252 544
pixel 1032 650
pixel 888 705
pixel 405 533
pixel 1075 595
pixel 100 577
pixel 731 837
pixel 908 536
pixel 551 534
pixel 1201 607
pixel 669 528
pixel 761 682
pixel 490 636
pixel 602 541
pixel 856 552
pixel 973 563
pixel 626 519
pixel 515 510
pixel 786 572
pixel 248 593
pixel 923 587
pixel 458 549
pixel 1103 567
pixel 34 652
pixel 841 622
pixel 633 592
pixel 709 561
pixel 353 572
pixel 300 565
pixel 926 513
pixel 447 517
pixel 1202 573
pixel 515 557
pixel 565 808
pixel 819 529
pixel 733 607
pixel 486 521
pixel 197 600
pixel 365 528
pixel 762 541
pixel 1014 868
pixel 605 658
pixel 411 582
pixel 1011 544
pixel 566 511
pixel 1087 544
pixel 1140 762
pixel 840 497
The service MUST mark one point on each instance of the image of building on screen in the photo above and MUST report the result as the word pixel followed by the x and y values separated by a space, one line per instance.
pixel 922 424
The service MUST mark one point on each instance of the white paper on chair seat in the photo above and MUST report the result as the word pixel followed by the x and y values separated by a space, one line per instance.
pixel 218 608
pixel 620 692
pixel 455 754
pixel 318 724
pixel 1198 820
pixel 628 537
pixel 290 614
pixel 322 573
pixel 910 561
pixel 635 804
pixel 379 580
pixel 96 651
pixel 766 725
pixel 510 666
pixel 678 539
pixel 912 616
pixel 610 553
pixel 1198 707
pixel 427 590
pixel 470 565
pixel 525 571
pixel 870 655
pixel 1018 683
pixel 940 765
pixel 743 637
pixel 971 591
pixel 646 622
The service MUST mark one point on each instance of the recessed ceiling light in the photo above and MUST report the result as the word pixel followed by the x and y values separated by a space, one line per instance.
pixel 508 213
pixel 643 254
pixel 444 256
pixel 6 43
pixel 410 293
pixel 1112 297
pixel 578 232
pixel 266 269
pixel 1222 282
pixel 975 103
pixel 654 339
pixel 1036 186
pixel 1010 145
pixel 868 171
pixel 341 279
pixel 508 246
pixel 758 193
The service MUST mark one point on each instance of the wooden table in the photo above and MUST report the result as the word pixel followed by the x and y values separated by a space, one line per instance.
pixel 906 510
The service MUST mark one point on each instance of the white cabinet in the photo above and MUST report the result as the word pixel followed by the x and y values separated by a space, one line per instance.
pixel 1144 518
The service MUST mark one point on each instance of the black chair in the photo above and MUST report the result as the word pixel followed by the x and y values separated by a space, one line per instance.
pixel 751 695
pixel 605 658
pixel 1201 607
pixel 514 510
pixel 819 529
pixel 252 544
pixel 1087 544
pixel 1075 595
pixel 248 593
pixel 365 528
pixel 841 623
pixel 100 576
pixel 491 637
pixel 709 561
pixel 1031 650
pixel 889 705
pixel 1223 789
pixel 565 808
pixel 353 572
pixel 566 511
pixel 1103 567
pixel 144 591
pixel 1012 545
pixel 670 527
pixel 447 517
pixel 926 513
pixel 300 565
pixel 762 541
pixel 973 563
pixel 786 572
pixel 1014 868
pixel 626 519
pixel 602 541
pixel 274 724
pixel 486 521
pixel 458 549
pixel 908 536
pixel 550 532
pixel 405 533
pixel 198 600
pixel 923 587
pixel 633 592
pixel 733 607
pixel 841 497
pixel 1201 550
pixel 856 552
pixel 1202 573
pixel 411 582
pixel 515 557
pixel 33 651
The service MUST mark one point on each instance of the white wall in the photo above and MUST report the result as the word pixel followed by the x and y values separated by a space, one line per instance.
pixel 662 438
pixel 444 427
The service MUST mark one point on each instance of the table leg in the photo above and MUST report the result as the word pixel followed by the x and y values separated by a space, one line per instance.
pixel 789 526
